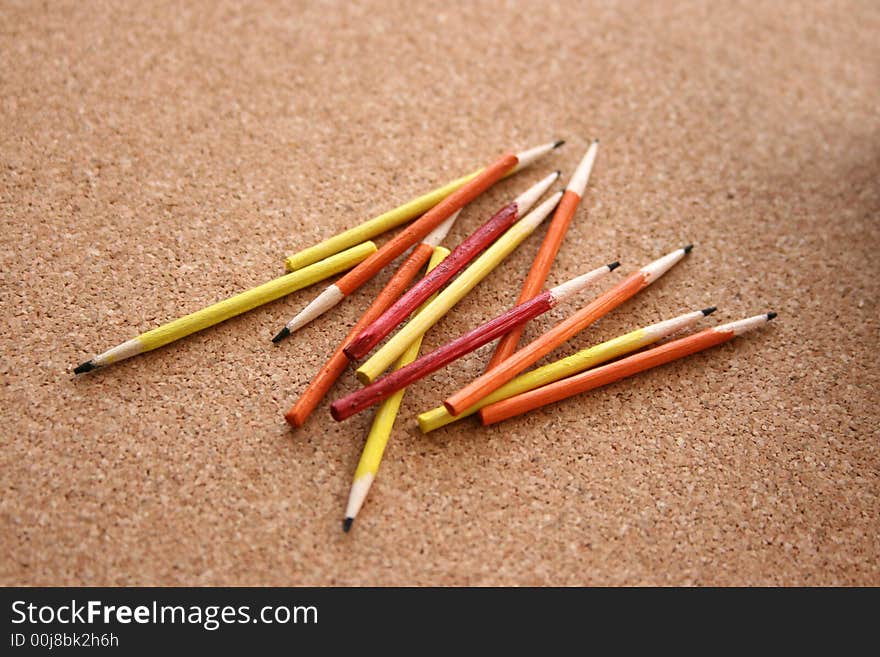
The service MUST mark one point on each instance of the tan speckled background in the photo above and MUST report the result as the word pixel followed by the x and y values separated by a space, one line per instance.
pixel 155 157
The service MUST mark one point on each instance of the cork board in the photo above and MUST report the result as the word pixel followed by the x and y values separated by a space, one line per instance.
pixel 159 157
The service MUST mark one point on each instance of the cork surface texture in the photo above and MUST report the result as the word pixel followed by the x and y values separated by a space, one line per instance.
pixel 156 157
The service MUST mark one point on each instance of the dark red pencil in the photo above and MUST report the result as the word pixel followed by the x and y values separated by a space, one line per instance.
pixel 469 249
pixel 470 341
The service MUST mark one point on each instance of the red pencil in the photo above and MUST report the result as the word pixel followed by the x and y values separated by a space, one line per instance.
pixel 620 369
pixel 470 341
pixel 442 273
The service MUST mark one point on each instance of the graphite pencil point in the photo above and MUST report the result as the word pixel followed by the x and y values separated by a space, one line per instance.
pixel 595 141
pixel 346 524
pixel 708 311
pixel 614 265
pixel 88 366
pixel 558 143
pixel 283 333
pixel 689 248
pixel 770 316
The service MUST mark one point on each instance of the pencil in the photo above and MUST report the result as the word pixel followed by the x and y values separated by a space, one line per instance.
pixel 411 235
pixel 470 341
pixel 577 362
pixel 383 423
pixel 455 291
pixel 385 221
pixel 543 261
pixel 478 241
pixel 336 364
pixel 535 350
pixel 223 310
pixel 620 369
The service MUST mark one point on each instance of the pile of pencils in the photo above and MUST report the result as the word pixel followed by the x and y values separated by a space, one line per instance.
pixel 506 389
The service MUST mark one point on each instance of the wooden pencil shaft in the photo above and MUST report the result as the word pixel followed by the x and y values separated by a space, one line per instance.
pixel 455 291
pixel 604 375
pixel 540 269
pixel 510 367
pixel 470 248
pixel 381 389
pixel 383 423
pixel 538 348
pixel 236 305
pixel 546 255
pixel 376 226
pixel 439 276
pixel 260 295
pixel 404 213
pixel 425 224
pixel 573 364
pixel 549 248
pixel 336 364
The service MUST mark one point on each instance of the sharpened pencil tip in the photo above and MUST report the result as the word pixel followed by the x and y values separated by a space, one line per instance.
pixel 558 143
pixel 283 333
pixel 346 524
pixel 689 248
pixel 708 311
pixel 770 315
pixel 614 265
pixel 558 173
pixel 88 366
pixel 595 141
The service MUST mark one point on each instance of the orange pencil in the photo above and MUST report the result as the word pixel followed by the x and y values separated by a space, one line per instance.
pixel 535 350
pixel 336 364
pixel 543 261
pixel 411 235
pixel 620 369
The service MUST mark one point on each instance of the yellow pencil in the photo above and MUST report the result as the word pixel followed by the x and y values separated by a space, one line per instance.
pixel 456 291
pixel 223 310
pixel 383 422
pixel 582 360
pixel 393 218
